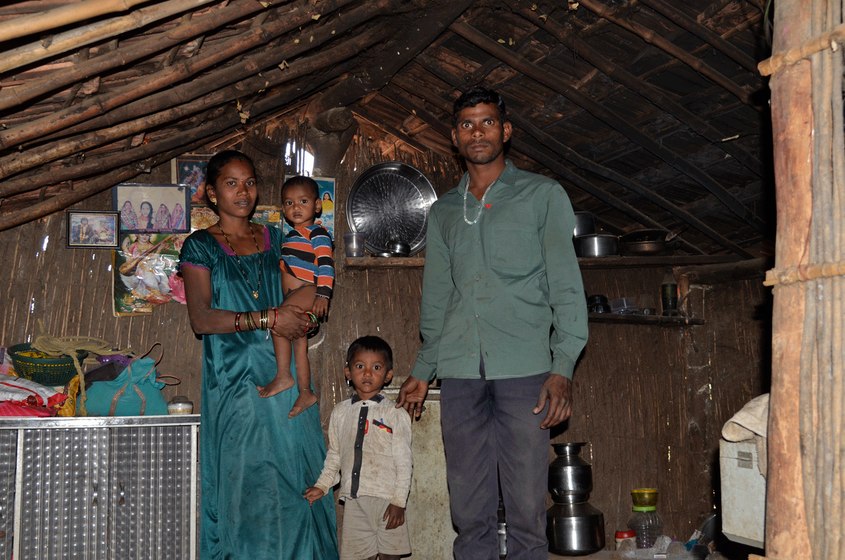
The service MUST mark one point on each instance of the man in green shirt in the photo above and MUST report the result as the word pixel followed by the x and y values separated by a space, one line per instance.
pixel 500 275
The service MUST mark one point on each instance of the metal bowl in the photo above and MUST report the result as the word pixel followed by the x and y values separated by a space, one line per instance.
pixel 596 245
pixel 390 202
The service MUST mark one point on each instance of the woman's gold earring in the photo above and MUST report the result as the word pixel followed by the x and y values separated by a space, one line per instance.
pixel 213 200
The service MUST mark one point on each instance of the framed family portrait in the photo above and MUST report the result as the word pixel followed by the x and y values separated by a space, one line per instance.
pixel 189 169
pixel 153 208
pixel 92 229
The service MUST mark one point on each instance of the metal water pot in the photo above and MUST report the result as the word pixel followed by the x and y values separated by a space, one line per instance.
pixel 574 527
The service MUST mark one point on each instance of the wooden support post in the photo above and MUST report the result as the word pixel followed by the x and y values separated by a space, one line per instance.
pixel 792 128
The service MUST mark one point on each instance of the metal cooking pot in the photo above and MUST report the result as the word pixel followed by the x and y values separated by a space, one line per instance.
pixel 584 224
pixel 596 245
pixel 645 242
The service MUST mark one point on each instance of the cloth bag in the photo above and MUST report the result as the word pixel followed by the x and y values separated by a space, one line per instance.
pixel 135 392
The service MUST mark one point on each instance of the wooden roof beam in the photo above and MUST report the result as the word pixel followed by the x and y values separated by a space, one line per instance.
pixel 684 21
pixel 92 33
pixel 660 98
pixel 394 56
pixel 74 12
pixel 324 63
pixel 157 90
pixel 653 38
pixel 59 80
pixel 552 80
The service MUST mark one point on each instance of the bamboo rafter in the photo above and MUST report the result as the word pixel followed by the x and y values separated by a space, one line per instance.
pixel 551 79
pixel 94 33
pixel 117 105
pixel 660 98
pixel 653 38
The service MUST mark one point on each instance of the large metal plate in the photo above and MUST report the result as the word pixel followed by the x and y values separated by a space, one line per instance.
pixel 390 202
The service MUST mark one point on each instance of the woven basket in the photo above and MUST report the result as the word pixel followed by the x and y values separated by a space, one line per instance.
pixel 51 372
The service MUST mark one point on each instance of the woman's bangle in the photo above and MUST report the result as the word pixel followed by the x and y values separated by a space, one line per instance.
pixel 263 317
pixel 250 323
pixel 238 321
pixel 275 317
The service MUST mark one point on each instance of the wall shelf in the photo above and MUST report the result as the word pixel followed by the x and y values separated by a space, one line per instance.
pixel 635 319
pixel 384 262
pixel 584 263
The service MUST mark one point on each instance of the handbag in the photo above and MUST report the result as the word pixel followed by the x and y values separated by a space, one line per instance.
pixel 135 392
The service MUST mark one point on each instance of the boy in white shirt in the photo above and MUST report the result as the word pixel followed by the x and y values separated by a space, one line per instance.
pixel 370 454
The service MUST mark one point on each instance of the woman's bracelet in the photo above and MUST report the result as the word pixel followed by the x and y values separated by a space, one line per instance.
pixel 275 317
pixel 250 323
pixel 263 319
pixel 238 322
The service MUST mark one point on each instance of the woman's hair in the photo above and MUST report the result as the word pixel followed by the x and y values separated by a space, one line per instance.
pixel 475 96
pixel 220 160
pixel 302 181
pixel 327 196
pixel 371 344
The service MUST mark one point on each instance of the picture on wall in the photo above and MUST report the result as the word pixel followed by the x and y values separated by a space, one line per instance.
pixel 92 229
pixel 326 217
pixel 189 169
pixel 144 271
pixel 152 208
pixel 146 267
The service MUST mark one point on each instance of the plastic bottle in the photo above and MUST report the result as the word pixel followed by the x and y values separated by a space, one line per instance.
pixel 623 537
pixel 646 524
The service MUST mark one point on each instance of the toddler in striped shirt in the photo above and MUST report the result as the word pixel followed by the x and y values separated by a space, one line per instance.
pixel 307 280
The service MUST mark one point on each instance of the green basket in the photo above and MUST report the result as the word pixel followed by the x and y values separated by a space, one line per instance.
pixel 52 372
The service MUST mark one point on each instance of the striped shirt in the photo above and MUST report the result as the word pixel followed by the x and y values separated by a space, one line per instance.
pixel 307 255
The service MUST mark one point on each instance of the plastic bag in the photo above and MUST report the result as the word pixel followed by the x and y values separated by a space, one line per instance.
pixel 135 392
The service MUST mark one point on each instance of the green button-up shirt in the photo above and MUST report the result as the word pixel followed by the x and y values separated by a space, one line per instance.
pixel 499 286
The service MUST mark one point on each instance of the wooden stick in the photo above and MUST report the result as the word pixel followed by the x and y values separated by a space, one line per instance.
pixel 59 17
pixel 93 33
pixel 17 163
pixel 653 94
pixel 778 62
pixel 118 104
pixel 57 81
pixel 651 37
pixel 325 59
pixel 684 21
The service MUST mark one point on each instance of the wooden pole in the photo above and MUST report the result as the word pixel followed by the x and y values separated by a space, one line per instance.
pixel 87 35
pixel 59 17
pixel 660 98
pixel 653 38
pixel 792 128
pixel 684 21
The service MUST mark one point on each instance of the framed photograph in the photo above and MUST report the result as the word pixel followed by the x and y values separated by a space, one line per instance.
pixel 326 216
pixel 153 208
pixel 92 229
pixel 189 169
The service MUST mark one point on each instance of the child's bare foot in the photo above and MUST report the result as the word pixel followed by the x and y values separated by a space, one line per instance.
pixel 303 401
pixel 280 383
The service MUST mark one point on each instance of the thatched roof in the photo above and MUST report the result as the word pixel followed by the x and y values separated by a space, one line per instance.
pixel 651 113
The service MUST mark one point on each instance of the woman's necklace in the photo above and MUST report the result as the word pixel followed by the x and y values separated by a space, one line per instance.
pixel 480 205
pixel 255 291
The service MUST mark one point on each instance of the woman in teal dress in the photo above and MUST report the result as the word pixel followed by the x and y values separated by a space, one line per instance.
pixel 255 461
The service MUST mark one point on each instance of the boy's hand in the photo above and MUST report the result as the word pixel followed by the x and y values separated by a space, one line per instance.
pixel 395 516
pixel 313 494
pixel 320 307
